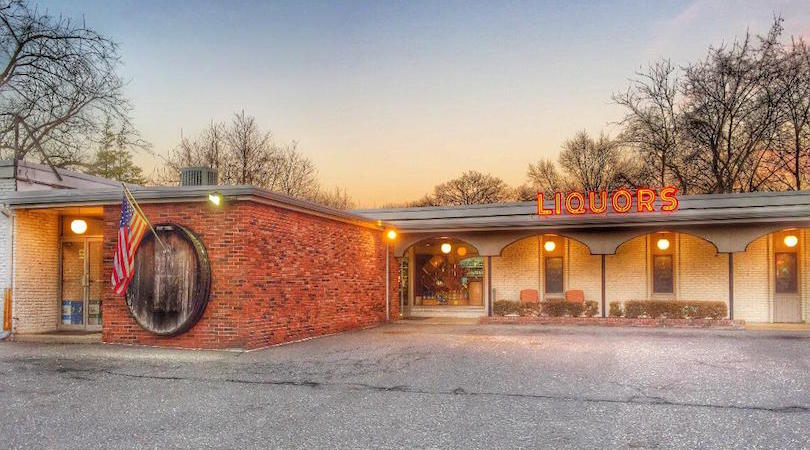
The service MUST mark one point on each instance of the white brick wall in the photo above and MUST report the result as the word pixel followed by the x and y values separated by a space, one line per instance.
pixel 35 308
pixel 702 273
pixel 626 272
pixel 584 271
pixel 752 287
pixel 517 268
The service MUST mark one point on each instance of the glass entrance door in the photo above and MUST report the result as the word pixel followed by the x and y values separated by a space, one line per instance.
pixel 81 284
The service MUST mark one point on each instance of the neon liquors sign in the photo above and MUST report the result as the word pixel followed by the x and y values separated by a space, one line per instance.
pixel 642 200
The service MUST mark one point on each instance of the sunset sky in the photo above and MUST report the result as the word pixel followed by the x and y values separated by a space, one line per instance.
pixel 391 98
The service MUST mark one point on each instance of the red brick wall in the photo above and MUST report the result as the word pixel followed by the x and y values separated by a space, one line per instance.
pixel 277 276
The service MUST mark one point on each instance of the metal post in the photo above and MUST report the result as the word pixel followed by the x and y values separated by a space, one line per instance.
pixel 387 285
pixel 489 286
pixel 603 286
pixel 731 286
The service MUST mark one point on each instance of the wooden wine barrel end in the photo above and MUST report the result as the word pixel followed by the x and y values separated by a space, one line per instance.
pixel 170 288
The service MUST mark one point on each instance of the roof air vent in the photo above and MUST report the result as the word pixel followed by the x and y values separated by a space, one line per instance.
pixel 198 176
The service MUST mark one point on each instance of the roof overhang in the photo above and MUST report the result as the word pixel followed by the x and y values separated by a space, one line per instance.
pixel 62 198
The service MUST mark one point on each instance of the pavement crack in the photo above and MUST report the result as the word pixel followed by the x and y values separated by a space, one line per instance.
pixel 458 391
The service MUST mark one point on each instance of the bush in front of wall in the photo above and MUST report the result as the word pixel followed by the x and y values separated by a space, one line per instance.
pixel 710 310
pixel 635 308
pixel 591 308
pixel 530 310
pixel 616 309
pixel 670 309
pixel 555 308
pixel 505 307
pixel 575 309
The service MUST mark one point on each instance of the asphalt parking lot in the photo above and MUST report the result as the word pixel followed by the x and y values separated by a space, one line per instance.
pixel 416 385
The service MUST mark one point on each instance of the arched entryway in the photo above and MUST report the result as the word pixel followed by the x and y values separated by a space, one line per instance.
pixel 443 276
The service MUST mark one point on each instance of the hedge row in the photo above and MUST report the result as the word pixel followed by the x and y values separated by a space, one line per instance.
pixel 671 309
pixel 558 308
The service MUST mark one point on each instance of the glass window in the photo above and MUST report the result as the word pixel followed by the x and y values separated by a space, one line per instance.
pixel 447 272
pixel 786 273
pixel 554 274
pixel 662 274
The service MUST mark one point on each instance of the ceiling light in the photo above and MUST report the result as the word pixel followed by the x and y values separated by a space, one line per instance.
pixel 550 246
pixel 446 248
pixel 791 240
pixel 662 244
pixel 78 226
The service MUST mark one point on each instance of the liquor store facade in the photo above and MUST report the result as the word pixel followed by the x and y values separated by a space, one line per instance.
pixel 260 269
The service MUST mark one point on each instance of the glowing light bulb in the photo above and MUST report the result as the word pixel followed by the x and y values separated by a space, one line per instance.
pixel 791 240
pixel 78 226
pixel 550 246
pixel 391 234
pixel 446 248
pixel 663 244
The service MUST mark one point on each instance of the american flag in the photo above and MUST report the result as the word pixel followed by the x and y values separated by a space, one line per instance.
pixel 131 229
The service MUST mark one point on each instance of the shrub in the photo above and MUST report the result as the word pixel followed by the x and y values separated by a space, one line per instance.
pixel 666 308
pixel 504 307
pixel 575 309
pixel 711 310
pixel 635 308
pixel 530 309
pixel 591 308
pixel 616 309
pixel 673 309
pixel 555 308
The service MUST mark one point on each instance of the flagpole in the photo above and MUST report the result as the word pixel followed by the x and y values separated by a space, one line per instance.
pixel 146 219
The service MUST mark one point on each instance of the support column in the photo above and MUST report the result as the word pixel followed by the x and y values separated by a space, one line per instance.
pixel 489 286
pixel 731 286
pixel 604 313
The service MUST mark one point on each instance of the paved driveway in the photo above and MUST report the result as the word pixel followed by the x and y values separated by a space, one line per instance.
pixel 412 385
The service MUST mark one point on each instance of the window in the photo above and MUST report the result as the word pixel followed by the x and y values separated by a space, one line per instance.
pixel 662 274
pixel 447 272
pixel 786 273
pixel 554 274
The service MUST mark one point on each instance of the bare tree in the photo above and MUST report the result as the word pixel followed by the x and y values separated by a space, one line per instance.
pixel 652 123
pixel 337 198
pixel 251 153
pixel 591 164
pixel 58 86
pixel 471 188
pixel 293 174
pixel 793 153
pixel 732 111
pixel 209 149
pixel 544 177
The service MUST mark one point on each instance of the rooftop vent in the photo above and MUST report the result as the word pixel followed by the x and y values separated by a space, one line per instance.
pixel 198 176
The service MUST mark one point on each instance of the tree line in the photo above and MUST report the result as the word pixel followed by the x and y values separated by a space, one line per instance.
pixel 737 120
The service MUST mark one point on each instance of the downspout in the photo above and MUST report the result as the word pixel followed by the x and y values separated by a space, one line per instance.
pixel 8 213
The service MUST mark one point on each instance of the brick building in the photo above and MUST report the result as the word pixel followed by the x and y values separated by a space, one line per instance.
pixel 283 269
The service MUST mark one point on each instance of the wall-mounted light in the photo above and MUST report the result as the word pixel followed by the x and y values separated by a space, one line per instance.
pixel 446 248
pixel 549 246
pixel 791 240
pixel 391 234
pixel 662 244
pixel 78 226
pixel 215 198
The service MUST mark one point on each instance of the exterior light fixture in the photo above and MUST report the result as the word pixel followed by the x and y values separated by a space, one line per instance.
pixel 391 235
pixel 462 251
pixel 78 226
pixel 549 246
pixel 446 248
pixel 215 198
pixel 791 240
pixel 662 244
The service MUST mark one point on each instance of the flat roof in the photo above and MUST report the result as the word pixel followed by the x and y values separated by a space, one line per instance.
pixel 60 198
pixel 692 209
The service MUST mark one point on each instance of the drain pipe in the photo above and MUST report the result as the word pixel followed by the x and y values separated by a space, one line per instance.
pixel 7 212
